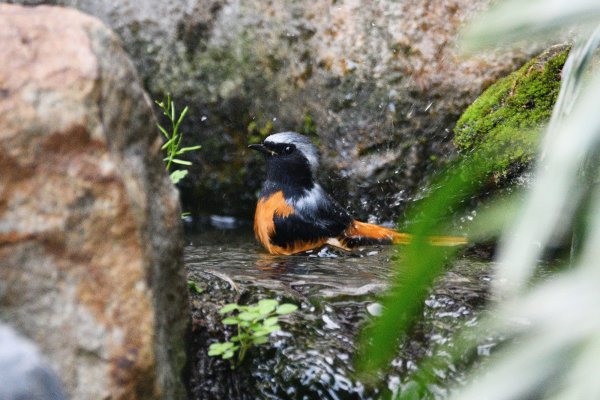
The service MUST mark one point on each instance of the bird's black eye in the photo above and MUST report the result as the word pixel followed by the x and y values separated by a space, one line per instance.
pixel 289 149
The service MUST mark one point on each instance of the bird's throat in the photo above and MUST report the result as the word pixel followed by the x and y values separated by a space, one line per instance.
pixel 283 179
pixel 291 171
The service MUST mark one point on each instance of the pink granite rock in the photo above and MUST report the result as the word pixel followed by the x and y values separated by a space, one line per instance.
pixel 90 237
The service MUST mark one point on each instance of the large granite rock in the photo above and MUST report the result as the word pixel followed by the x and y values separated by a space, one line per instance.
pixel 90 239
pixel 381 82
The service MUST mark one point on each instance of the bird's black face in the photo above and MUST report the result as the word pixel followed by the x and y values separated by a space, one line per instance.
pixel 286 164
pixel 274 149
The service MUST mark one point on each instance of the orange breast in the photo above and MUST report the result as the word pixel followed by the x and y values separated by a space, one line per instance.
pixel 266 210
pixel 264 225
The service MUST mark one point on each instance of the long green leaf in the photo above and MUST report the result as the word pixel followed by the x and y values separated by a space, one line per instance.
pixel 186 149
pixel 558 344
pixel 419 267
pixel 554 195
pixel 168 143
pixel 182 162
pixel 181 116
pixel 163 130
pixel 571 85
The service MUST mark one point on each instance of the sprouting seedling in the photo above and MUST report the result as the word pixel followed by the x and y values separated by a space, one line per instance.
pixel 193 286
pixel 174 138
pixel 254 324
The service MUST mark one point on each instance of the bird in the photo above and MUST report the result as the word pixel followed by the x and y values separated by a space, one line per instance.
pixel 294 214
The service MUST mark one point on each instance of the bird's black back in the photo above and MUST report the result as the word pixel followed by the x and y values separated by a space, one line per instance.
pixel 316 215
pixel 322 219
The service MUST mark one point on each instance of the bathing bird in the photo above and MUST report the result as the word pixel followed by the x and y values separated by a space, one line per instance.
pixel 294 214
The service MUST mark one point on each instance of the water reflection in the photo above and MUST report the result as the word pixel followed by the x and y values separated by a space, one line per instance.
pixel 235 253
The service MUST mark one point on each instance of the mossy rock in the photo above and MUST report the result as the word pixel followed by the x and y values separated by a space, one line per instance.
pixel 505 122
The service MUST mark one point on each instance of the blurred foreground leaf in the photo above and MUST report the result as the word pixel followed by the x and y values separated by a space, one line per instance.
pixel 420 264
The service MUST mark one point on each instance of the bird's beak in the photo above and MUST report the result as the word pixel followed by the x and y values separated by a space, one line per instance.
pixel 261 147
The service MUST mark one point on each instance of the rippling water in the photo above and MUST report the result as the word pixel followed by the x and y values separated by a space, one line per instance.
pixel 337 293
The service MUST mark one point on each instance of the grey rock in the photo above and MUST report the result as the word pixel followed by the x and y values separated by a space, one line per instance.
pixel 383 83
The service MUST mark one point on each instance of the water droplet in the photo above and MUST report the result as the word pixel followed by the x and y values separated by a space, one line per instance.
pixel 204 118
pixel 329 323
pixel 375 309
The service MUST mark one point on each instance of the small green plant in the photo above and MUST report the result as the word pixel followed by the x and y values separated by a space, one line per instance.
pixel 174 137
pixel 254 324
pixel 193 286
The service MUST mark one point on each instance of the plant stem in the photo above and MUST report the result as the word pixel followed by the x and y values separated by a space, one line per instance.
pixel 243 347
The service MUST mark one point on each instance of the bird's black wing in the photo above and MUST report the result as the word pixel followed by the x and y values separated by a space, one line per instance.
pixel 319 217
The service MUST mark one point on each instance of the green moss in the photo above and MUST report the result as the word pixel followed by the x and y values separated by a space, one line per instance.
pixel 308 128
pixel 505 121
pixel 257 134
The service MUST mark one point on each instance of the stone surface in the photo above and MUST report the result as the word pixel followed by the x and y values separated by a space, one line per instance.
pixel 381 82
pixel 90 238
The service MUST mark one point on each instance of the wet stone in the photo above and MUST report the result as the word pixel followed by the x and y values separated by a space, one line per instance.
pixel 311 358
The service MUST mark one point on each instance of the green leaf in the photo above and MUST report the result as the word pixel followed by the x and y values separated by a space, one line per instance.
pixel 248 316
pixel 218 348
pixel 420 265
pixel 194 287
pixel 182 162
pixel 267 306
pixel 228 354
pixel 168 142
pixel 226 345
pixel 256 327
pixel 260 340
pixel 240 337
pixel 228 308
pixel 182 115
pixel 272 328
pixel 260 332
pixel 178 175
pixel 230 321
pixel 286 308
pixel 268 302
pixel 164 132
pixel 270 321
pixel 215 352
pixel 186 149
pixel 253 308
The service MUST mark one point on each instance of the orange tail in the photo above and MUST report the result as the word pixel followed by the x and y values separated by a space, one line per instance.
pixel 379 233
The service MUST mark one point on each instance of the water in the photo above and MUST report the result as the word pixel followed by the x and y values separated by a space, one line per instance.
pixel 337 293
